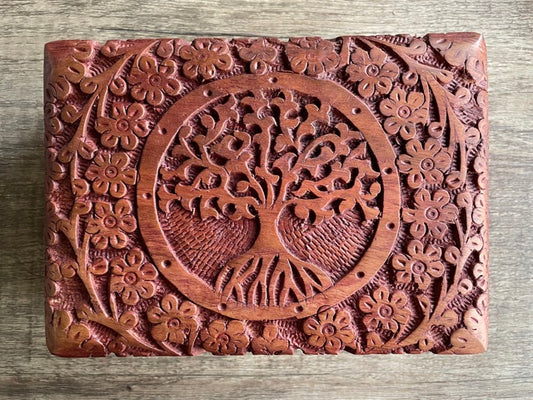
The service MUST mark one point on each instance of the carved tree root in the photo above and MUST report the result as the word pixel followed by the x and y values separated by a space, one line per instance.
pixel 275 278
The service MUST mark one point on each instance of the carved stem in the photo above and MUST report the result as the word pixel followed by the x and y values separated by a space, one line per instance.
pixel 345 51
pixel 116 326
pixel 427 75
pixel 169 348
pixel 439 309
pixel 85 275
pixel 100 94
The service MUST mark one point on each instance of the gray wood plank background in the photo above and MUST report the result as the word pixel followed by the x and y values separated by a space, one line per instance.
pixel 26 368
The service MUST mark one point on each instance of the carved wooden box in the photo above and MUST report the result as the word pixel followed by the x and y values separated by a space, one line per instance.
pixel 264 195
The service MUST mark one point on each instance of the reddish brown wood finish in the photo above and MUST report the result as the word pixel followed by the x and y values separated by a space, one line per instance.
pixel 261 195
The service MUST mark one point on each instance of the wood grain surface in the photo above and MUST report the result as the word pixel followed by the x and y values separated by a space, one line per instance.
pixel 26 368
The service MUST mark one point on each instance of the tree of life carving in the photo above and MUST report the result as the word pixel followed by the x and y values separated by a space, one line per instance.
pixel 257 156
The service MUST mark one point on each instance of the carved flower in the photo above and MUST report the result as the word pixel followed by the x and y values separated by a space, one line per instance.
pixel 385 309
pixel 270 343
pixel 431 214
pixel 109 174
pixel 404 112
pixel 424 162
pixel 312 54
pixel 132 277
pixel 110 224
pixel 372 72
pixel 224 338
pixel 332 330
pixel 125 125
pixel 259 54
pixel 204 56
pixel 420 265
pixel 174 321
pixel 151 81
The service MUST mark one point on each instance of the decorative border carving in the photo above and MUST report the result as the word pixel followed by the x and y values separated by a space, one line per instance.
pixel 108 286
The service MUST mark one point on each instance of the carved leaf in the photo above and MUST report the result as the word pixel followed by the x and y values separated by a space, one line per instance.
pixel 473 339
pixel 449 318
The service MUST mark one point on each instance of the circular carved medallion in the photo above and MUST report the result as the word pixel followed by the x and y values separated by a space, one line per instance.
pixel 268 197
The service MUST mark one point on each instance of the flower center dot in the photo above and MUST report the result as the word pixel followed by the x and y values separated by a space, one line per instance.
pixel 418 268
pixel 372 70
pixel 110 221
pixel 203 56
pixel 130 278
pixel 223 337
pixel 404 112
pixel 174 323
pixel 262 54
pixel 123 125
pixel 385 311
pixel 432 213
pixel 312 56
pixel 111 171
pixel 155 80
pixel 427 164
pixel 328 330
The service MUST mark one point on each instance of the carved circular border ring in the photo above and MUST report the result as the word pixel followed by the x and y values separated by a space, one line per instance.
pixel 194 288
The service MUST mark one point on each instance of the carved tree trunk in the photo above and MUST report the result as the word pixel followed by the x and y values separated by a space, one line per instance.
pixel 267 274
